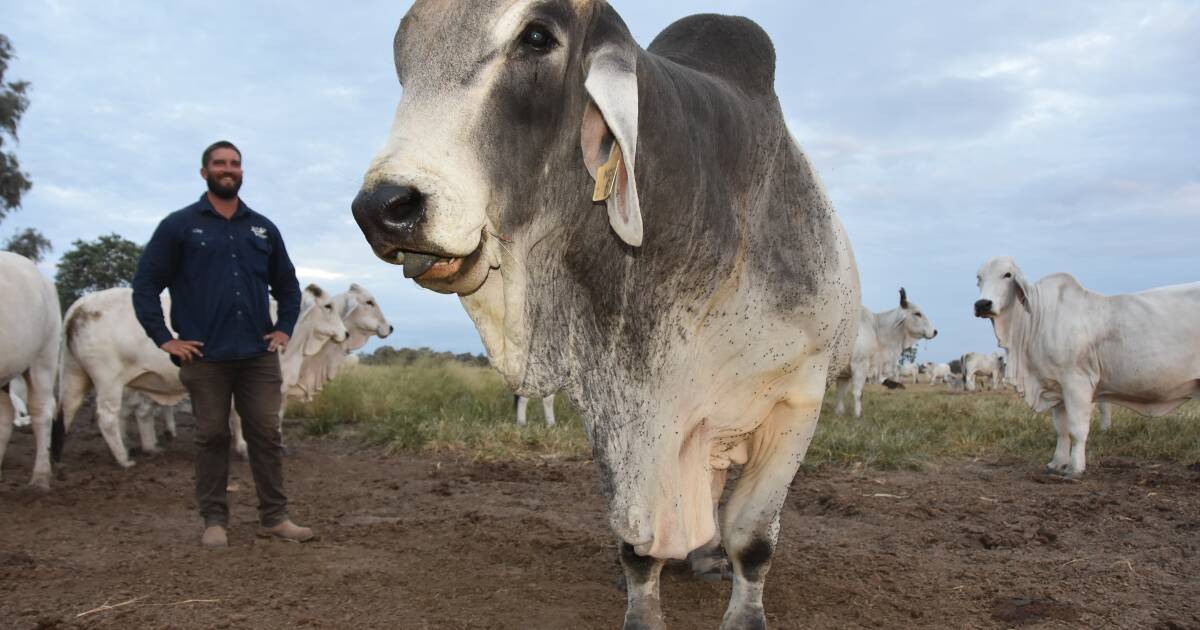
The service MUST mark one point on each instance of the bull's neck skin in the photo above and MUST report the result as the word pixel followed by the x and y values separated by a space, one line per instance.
pixel 1014 326
pixel 891 332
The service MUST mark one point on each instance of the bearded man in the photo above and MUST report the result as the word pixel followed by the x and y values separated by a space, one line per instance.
pixel 219 259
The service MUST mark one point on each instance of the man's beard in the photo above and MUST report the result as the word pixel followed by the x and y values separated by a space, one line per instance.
pixel 224 192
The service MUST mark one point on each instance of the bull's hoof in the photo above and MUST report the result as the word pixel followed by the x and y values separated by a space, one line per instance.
pixel 127 464
pixel 1065 474
pixel 710 567
pixel 644 618
pixel 745 619
pixel 167 436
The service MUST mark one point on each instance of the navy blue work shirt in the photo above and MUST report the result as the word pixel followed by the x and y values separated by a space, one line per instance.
pixel 218 272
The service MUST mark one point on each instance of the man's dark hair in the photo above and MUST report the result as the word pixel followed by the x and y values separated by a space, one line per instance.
pixel 219 144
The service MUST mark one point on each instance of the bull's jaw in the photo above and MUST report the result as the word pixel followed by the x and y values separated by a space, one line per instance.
pixel 462 276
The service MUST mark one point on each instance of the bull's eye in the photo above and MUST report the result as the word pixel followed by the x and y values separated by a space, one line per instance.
pixel 1008 275
pixel 370 303
pixel 538 38
pixel 329 307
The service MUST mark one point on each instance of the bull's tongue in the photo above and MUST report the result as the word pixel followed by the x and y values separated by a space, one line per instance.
pixel 417 264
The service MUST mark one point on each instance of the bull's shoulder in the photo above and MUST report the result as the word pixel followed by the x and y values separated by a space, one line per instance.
pixel 733 48
pixel 1060 281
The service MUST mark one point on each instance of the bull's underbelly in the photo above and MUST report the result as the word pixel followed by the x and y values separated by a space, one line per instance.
pixel 159 387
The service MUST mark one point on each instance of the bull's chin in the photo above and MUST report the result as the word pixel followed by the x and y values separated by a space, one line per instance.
pixel 463 276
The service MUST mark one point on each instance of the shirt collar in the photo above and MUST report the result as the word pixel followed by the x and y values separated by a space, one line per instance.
pixel 204 205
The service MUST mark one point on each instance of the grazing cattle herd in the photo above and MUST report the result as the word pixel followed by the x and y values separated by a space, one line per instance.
pixel 561 180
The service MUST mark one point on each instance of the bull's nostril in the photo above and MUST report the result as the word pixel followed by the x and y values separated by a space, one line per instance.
pixel 389 207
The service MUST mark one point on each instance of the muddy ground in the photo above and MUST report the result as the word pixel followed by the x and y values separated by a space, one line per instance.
pixel 428 542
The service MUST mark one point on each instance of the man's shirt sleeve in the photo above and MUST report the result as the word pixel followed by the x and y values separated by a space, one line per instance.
pixel 157 266
pixel 284 287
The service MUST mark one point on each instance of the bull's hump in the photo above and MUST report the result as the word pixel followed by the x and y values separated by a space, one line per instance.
pixel 733 48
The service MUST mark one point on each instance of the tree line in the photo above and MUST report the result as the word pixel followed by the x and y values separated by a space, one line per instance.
pixel 387 355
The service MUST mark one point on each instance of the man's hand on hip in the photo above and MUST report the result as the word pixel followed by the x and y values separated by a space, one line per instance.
pixel 276 341
pixel 186 351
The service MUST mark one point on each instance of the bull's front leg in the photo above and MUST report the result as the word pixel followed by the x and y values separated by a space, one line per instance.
pixel 751 523
pixel 859 382
pixel 8 414
pixel 644 607
pixel 1062 449
pixel 1105 416
pixel 842 386
pixel 235 430
pixel 1078 402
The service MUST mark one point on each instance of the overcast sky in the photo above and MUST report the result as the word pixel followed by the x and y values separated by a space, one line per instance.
pixel 1065 134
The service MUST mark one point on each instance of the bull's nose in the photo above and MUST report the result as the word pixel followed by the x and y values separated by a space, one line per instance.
pixel 983 308
pixel 388 211
pixel 934 334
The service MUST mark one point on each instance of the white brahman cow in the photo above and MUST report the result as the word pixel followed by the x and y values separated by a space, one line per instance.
pixel 30 336
pixel 937 372
pixel 1069 348
pixel 107 350
pixel 363 319
pixel 909 370
pixel 988 366
pixel 882 337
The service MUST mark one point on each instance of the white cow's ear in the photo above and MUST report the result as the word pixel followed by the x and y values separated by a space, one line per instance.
pixel 1023 288
pixel 609 136
pixel 348 307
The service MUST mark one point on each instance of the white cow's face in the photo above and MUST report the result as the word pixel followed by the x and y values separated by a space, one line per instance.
pixel 916 324
pixel 363 315
pixel 325 321
pixel 1001 284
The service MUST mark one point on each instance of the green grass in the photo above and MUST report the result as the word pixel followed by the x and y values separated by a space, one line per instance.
pixel 439 407
pixel 447 407
pixel 919 425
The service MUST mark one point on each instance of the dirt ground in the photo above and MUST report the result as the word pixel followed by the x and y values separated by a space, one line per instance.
pixel 423 542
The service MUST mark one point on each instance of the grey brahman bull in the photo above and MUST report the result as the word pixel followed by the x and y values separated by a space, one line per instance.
pixel 637 228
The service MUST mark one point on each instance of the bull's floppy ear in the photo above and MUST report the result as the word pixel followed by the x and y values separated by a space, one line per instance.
pixel 609 135
pixel 1023 288
pixel 348 307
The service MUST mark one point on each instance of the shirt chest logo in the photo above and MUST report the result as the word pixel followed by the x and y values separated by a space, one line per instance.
pixel 260 232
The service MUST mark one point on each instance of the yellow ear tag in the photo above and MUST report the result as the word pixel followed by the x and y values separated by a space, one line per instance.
pixel 606 175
